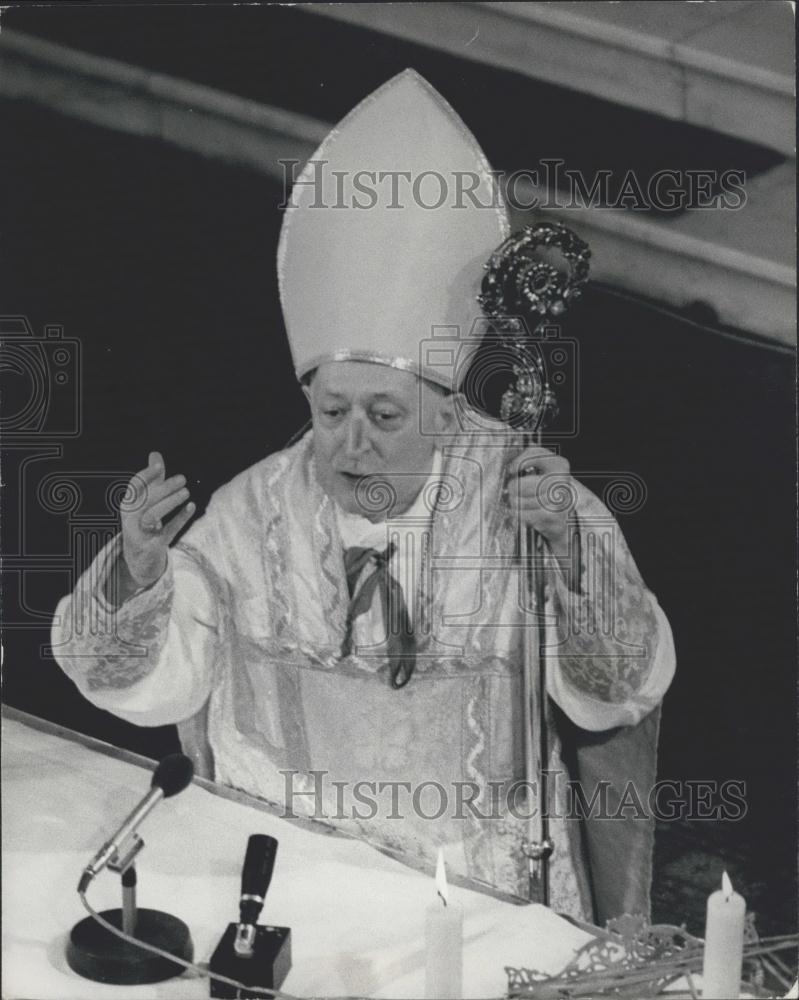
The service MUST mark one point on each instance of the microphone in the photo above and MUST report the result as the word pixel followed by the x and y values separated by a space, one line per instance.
pixel 171 776
pixel 259 863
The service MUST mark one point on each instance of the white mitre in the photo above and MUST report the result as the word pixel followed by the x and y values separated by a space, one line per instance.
pixel 386 284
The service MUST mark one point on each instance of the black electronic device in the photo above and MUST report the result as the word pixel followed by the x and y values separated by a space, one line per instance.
pixel 253 954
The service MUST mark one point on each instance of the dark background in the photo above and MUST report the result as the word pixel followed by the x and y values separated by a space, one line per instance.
pixel 161 264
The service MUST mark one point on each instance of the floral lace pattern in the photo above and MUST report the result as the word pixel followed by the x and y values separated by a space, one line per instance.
pixel 274 553
pixel 116 647
pixel 608 631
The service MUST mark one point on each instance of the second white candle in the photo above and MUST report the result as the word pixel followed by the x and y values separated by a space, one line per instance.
pixel 443 934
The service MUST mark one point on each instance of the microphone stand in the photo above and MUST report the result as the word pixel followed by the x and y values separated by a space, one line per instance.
pixel 95 953
pixel 129 913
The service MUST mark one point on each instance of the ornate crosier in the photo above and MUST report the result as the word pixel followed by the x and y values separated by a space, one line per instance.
pixel 519 287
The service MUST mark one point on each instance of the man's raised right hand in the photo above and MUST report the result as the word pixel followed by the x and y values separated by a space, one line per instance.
pixel 150 499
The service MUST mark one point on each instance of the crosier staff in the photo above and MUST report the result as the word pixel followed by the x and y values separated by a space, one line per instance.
pixel 516 288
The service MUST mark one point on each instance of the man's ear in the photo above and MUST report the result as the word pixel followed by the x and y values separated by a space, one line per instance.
pixel 447 419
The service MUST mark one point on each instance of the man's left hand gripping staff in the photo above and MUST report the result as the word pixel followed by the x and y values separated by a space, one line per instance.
pixel 541 491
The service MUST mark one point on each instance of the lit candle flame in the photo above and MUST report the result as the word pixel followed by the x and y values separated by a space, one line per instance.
pixel 726 885
pixel 441 877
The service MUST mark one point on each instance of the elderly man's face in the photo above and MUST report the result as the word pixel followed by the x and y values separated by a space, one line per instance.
pixel 366 420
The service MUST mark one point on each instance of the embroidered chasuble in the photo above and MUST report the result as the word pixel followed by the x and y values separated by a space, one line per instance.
pixel 245 634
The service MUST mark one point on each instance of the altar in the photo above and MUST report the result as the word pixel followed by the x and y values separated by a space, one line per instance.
pixel 356 916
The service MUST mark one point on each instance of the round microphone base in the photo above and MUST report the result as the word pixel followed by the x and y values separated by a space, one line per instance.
pixel 95 953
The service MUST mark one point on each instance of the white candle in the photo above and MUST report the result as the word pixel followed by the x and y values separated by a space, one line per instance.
pixel 724 943
pixel 443 935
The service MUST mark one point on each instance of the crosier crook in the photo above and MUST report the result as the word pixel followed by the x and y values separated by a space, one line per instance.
pixel 516 286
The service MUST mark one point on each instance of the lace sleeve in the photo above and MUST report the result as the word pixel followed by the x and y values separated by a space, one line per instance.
pixel 149 661
pixel 613 646
pixel 106 647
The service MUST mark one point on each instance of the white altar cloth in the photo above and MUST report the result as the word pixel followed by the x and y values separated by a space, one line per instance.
pixel 356 916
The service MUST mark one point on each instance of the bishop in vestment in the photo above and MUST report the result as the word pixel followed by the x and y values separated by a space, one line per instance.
pixel 346 619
